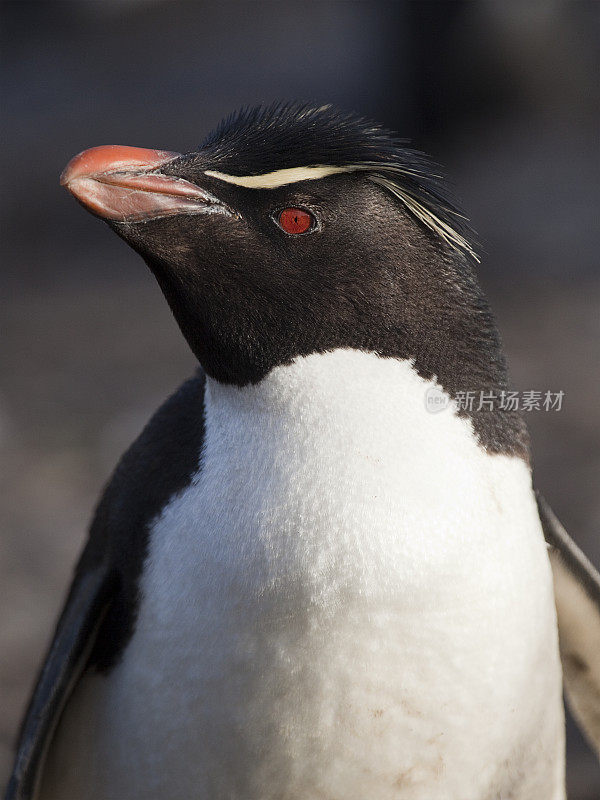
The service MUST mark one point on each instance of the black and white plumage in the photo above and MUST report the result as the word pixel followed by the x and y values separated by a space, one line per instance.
pixel 298 582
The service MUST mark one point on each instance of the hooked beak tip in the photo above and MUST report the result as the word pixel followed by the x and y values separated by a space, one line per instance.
pixel 119 183
pixel 112 158
pixel 124 184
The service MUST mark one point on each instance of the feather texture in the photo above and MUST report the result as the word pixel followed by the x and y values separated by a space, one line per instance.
pixel 283 136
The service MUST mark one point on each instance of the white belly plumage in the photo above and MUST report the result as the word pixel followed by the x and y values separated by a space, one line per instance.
pixel 351 600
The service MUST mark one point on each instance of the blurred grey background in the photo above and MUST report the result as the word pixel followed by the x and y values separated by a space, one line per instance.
pixel 505 94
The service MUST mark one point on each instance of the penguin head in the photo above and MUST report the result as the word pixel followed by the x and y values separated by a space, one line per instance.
pixel 295 230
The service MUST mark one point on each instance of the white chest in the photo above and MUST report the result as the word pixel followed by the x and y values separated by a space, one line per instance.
pixel 337 606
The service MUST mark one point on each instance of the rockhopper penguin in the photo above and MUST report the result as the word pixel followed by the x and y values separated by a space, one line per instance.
pixel 299 583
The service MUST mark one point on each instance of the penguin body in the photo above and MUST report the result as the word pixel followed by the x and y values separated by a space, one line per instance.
pixel 300 583
pixel 335 634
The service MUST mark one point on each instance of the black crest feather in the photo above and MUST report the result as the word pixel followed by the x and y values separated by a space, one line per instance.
pixel 263 139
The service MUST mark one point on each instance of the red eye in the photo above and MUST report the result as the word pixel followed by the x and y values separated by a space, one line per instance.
pixel 295 220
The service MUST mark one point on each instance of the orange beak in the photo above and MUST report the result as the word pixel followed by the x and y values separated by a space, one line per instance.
pixel 123 184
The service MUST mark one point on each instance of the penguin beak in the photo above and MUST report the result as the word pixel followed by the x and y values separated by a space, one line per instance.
pixel 124 184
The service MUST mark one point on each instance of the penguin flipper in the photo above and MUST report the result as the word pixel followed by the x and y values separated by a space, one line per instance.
pixel 577 596
pixel 99 614
pixel 73 640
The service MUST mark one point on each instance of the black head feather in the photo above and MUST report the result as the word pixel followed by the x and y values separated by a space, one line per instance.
pixel 263 139
pixel 282 135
